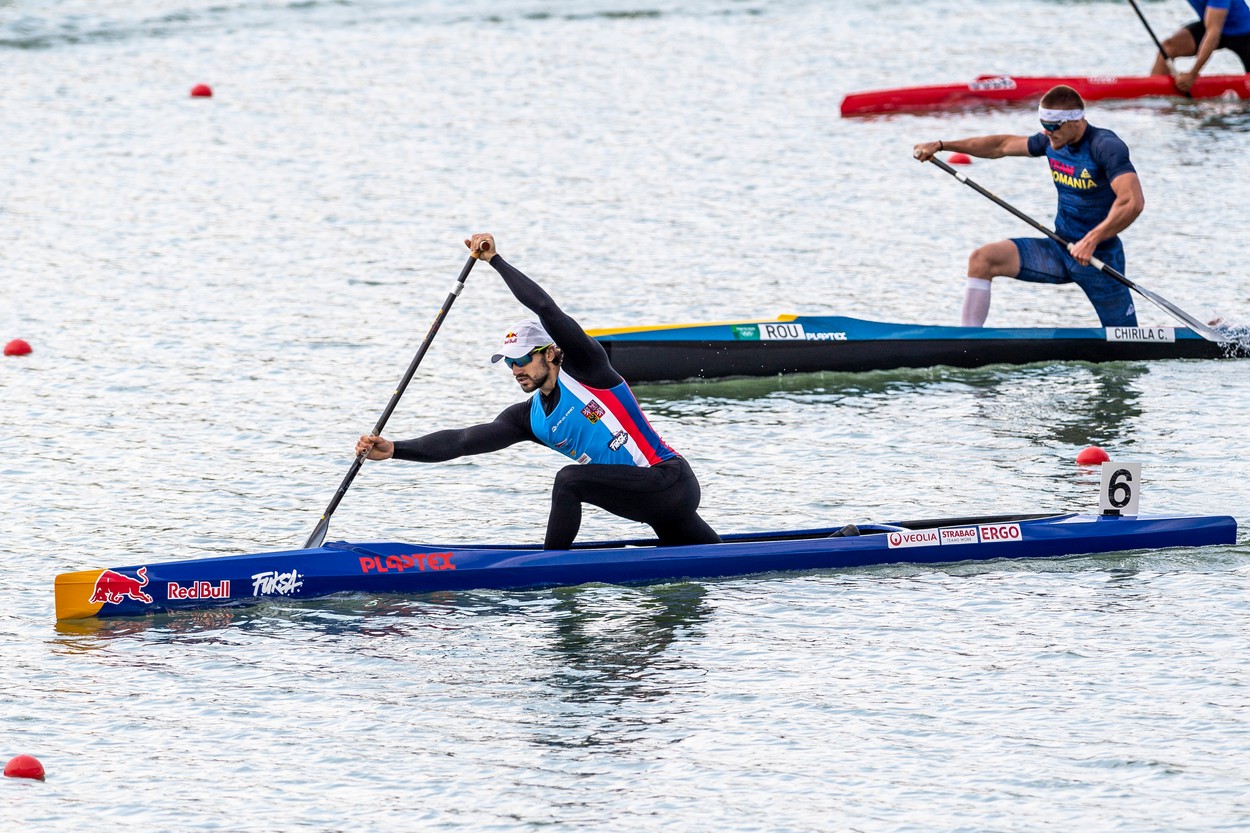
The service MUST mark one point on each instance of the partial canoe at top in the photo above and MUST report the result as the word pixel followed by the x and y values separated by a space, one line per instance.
pixel 807 344
pixel 1007 89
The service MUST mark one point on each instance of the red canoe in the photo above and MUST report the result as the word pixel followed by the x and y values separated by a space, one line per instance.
pixel 1008 89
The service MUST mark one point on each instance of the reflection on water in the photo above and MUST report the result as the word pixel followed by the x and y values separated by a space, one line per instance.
pixel 1070 403
pixel 1066 405
pixel 608 643
pixel 658 396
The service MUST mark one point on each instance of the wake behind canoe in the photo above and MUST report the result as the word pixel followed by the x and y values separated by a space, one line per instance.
pixel 808 344
pixel 387 567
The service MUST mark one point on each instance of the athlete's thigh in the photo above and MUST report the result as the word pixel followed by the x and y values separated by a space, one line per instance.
pixel 1042 260
pixel 1111 299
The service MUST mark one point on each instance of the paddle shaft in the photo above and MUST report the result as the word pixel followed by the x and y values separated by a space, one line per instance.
pixel 1146 23
pixel 1164 304
pixel 319 534
pixel 1167 62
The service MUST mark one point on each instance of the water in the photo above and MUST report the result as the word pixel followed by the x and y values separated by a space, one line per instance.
pixel 221 294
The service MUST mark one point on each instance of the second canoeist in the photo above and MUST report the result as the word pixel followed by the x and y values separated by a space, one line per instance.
pixel 1221 24
pixel 1100 195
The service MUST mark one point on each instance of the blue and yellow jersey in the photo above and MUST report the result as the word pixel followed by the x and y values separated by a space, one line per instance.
pixel 1082 173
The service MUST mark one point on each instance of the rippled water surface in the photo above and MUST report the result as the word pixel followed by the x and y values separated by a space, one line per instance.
pixel 221 294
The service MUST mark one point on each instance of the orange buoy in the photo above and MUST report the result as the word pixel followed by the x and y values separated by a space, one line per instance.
pixel 1092 456
pixel 24 766
pixel 17 347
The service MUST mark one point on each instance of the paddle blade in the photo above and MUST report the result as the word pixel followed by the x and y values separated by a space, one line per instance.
pixel 1207 332
pixel 318 536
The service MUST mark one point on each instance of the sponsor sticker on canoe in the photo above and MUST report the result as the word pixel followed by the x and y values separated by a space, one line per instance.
pixel 746 332
pixel 1141 334
pixel 914 538
pixel 198 590
pixel 273 583
pixel 111 586
pixel 951 535
pixel 1001 83
pixel 959 535
pixel 398 563
pixel 991 533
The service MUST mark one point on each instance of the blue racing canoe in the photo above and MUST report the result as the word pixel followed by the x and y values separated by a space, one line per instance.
pixel 386 567
pixel 806 344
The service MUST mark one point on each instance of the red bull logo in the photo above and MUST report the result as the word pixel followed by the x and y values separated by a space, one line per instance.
pixel 198 590
pixel 112 587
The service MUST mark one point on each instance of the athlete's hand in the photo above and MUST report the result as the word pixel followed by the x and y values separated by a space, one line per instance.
pixel 377 447
pixel 481 246
pixel 1083 250
pixel 1185 80
pixel 926 150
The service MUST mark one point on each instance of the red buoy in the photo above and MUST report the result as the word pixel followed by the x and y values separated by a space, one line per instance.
pixel 201 91
pixel 1092 456
pixel 959 159
pixel 24 766
pixel 17 347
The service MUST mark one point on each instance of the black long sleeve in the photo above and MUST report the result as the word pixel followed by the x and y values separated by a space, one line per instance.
pixel 584 357
pixel 509 428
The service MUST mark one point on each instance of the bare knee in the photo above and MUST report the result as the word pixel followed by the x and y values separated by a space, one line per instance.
pixel 979 265
pixel 1180 45
pixel 994 260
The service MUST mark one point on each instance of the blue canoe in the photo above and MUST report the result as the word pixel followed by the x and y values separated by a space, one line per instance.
pixel 807 344
pixel 386 567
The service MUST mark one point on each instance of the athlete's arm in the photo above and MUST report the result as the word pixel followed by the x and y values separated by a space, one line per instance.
pixel 584 356
pixel 985 147
pixel 1213 23
pixel 509 428
pixel 1129 202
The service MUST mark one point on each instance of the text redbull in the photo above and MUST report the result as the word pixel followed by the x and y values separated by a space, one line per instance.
pixel 198 590
pixel 112 587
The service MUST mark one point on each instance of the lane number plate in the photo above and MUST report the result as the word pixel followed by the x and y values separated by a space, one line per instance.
pixel 1121 483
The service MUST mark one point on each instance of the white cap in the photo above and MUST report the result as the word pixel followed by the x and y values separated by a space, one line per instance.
pixel 521 338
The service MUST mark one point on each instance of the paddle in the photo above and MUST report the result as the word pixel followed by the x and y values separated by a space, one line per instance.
pixel 319 534
pixel 1167 306
pixel 1167 62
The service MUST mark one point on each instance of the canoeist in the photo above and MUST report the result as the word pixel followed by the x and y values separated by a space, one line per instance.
pixel 1221 24
pixel 1099 196
pixel 583 409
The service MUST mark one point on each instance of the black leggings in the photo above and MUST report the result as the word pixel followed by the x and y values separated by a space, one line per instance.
pixel 665 496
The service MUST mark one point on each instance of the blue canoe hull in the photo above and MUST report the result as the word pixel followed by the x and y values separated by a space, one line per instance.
pixel 390 567
pixel 806 344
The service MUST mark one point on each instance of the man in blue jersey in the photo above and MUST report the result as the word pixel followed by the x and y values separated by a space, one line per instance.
pixel 1099 196
pixel 1221 24
pixel 581 408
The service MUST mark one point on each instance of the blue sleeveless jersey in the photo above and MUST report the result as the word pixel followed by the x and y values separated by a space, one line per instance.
pixel 1082 174
pixel 1238 20
pixel 594 425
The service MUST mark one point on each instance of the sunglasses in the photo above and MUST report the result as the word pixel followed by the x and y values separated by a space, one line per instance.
pixel 524 360
pixel 1052 126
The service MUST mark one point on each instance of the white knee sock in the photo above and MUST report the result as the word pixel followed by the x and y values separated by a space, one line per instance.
pixel 976 302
